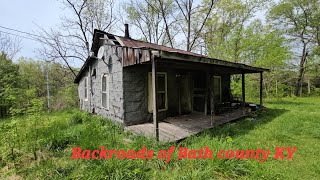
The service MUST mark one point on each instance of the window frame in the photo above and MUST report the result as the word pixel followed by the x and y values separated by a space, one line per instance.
pixel 150 99
pixel 107 91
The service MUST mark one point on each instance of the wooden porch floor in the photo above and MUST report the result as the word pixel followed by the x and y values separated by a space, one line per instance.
pixel 179 127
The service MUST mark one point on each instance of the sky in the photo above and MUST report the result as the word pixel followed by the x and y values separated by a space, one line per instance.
pixel 25 15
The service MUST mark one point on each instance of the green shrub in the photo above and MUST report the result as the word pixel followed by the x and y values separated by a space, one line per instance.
pixel 79 118
pixel 76 119
pixel 65 98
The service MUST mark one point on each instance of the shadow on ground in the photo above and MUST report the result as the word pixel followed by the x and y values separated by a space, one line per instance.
pixel 244 125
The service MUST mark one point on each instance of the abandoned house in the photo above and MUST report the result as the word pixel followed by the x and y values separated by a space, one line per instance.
pixel 153 89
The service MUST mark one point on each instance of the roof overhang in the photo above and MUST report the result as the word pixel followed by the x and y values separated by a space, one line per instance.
pixel 182 57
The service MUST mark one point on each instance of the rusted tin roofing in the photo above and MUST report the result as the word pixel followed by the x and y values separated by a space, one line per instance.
pixel 141 44
pixel 137 52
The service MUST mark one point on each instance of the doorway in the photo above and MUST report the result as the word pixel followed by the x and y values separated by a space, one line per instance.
pixel 199 92
pixel 216 88
pixel 184 94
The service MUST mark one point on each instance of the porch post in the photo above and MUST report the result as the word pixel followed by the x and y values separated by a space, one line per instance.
pixel 154 97
pixel 261 87
pixel 243 90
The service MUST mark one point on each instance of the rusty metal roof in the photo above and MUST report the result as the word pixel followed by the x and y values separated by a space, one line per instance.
pixel 141 44
pixel 130 45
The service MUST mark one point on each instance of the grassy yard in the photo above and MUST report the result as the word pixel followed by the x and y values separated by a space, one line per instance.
pixel 50 138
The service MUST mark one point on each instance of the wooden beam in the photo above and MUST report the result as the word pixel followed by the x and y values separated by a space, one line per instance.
pixel 261 87
pixel 243 89
pixel 154 98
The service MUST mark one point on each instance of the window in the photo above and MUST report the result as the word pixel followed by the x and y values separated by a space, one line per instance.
pixel 94 73
pixel 105 91
pixel 162 97
pixel 86 88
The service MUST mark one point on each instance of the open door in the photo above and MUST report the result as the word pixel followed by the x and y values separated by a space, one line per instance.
pixel 216 87
pixel 199 92
pixel 185 94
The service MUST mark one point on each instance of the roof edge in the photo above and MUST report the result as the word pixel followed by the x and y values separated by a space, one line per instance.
pixel 207 60
pixel 83 68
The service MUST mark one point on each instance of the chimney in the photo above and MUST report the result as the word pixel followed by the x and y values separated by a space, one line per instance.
pixel 126 31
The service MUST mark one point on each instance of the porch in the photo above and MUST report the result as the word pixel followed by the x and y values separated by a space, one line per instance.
pixel 177 128
pixel 180 93
pixel 201 96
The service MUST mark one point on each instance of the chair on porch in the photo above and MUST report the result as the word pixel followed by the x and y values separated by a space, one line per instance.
pixel 228 106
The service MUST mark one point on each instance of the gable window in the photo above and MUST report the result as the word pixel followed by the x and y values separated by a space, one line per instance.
pixel 105 91
pixel 162 97
pixel 86 88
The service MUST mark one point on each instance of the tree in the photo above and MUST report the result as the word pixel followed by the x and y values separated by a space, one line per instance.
pixel 299 19
pixel 33 81
pixel 9 83
pixel 153 19
pixel 234 33
pixel 70 43
pixel 160 21
pixel 194 18
pixel 9 46
pixel 225 27
pixel 264 47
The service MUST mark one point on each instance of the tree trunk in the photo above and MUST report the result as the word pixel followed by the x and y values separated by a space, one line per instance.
pixel 165 22
pixel 301 71
pixel 189 25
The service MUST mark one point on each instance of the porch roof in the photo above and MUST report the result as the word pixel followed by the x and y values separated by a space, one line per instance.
pixel 139 52
pixel 182 55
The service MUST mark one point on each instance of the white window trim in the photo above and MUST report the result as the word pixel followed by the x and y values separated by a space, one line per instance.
pixel 107 91
pixel 150 107
pixel 86 88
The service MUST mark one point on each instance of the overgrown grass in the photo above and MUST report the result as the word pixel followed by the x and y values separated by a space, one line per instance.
pixel 287 122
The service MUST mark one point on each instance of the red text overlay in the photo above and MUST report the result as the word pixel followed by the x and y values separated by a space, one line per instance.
pixel 260 155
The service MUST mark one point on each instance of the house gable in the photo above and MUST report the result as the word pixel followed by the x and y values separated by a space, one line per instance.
pixel 106 101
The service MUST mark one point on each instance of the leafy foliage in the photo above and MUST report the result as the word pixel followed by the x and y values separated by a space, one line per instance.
pixel 299 20
pixel 24 83
pixel 9 82
pixel 283 124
